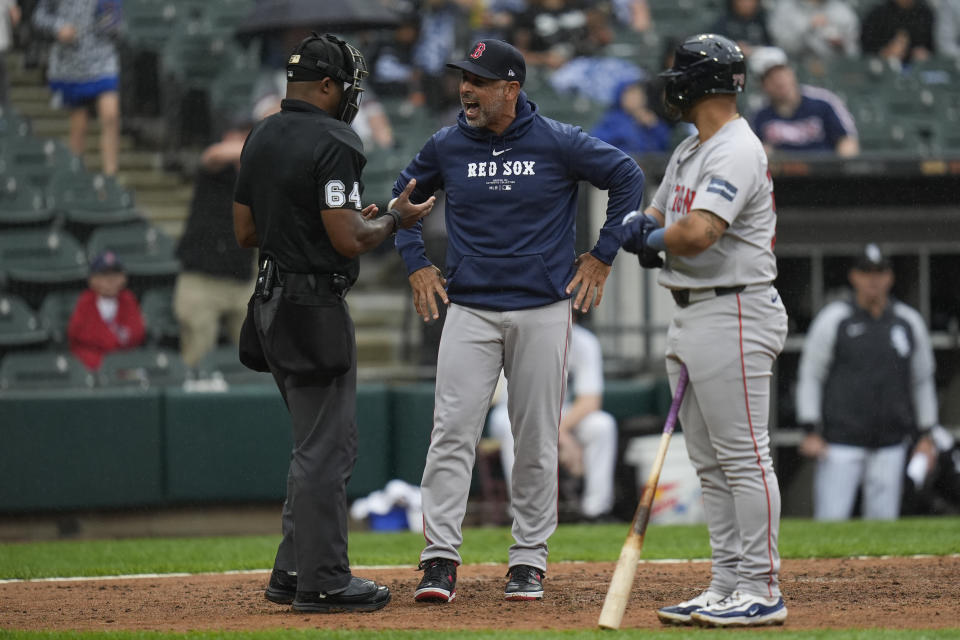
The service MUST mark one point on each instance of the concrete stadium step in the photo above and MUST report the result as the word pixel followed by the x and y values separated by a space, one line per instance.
pixel 128 160
pixel 174 195
pixel 20 77
pixel 28 94
pixel 377 308
pixel 147 179
pixel 378 346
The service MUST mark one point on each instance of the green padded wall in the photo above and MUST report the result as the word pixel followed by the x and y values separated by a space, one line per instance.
pixel 80 449
pixel 230 446
pixel 411 407
pixel 375 456
pixel 235 446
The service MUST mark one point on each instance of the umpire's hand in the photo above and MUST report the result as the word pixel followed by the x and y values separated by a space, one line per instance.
pixel 428 283
pixel 590 276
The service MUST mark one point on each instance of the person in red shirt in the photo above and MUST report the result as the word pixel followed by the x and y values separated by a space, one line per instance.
pixel 107 317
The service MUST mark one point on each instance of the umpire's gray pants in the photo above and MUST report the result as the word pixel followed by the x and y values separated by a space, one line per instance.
pixel 530 345
pixel 323 412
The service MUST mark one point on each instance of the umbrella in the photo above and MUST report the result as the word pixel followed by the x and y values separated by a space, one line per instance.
pixel 328 15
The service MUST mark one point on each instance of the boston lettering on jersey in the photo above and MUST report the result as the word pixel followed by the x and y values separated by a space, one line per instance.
pixel 682 199
pixel 490 169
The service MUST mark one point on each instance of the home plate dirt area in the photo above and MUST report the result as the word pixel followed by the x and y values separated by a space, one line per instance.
pixel 897 593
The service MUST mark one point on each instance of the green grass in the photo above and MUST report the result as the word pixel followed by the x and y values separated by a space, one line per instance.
pixel 600 543
pixel 673 634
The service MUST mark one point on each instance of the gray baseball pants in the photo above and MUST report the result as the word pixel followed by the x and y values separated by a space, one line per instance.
pixel 729 345
pixel 530 345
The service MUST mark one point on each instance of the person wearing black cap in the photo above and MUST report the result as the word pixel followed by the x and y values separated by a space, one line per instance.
pixel 511 179
pixel 299 200
pixel 865 388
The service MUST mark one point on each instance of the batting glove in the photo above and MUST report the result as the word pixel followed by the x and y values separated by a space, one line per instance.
pixel 633 238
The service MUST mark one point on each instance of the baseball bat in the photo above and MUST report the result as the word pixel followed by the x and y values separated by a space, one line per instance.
pixel 618 592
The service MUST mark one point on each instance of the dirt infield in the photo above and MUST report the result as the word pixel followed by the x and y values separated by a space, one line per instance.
pixel 900 593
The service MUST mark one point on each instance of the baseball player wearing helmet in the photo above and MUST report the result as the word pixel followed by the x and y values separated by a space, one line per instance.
pixel 714 216
pixel 511 179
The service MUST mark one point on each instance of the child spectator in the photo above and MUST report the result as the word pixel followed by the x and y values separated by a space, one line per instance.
pixel 107 317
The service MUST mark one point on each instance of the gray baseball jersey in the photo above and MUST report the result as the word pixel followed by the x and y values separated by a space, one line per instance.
pixel 714 176
pixel 729 341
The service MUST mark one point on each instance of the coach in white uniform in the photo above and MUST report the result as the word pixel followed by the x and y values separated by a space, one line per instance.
pixel 588 434
pixel 865 389
pixel 714 216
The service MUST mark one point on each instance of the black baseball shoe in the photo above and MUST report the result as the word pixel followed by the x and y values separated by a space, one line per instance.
pixel 360 595
pixel 526 583
pixel 282 587
pixel 439 583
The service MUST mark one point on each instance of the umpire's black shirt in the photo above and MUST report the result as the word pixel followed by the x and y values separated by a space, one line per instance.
pixel 295 164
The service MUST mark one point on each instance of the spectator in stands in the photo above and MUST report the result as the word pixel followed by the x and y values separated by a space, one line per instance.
pixel 83 68
pixel 9 18
pixel 372 122
pixel 634 14
pixel 588 434
pixel 550 33
pixel 393 72
pixel 495 18
pixel 107 317
pixel 899 31
pixel 799 117
pixel 865 388
pixel 744 22
pixel 947 28
pixel 630 125
pixel 217 275
pixel 815 30
pixel 443 25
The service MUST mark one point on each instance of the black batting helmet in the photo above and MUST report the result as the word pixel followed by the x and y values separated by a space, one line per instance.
pixel 703 64
pixel 318 57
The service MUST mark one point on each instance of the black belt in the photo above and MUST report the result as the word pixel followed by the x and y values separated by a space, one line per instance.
pixel 683 296
pixel 270 276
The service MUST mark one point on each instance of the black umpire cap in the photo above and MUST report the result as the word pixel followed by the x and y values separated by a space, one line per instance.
pixel 494 59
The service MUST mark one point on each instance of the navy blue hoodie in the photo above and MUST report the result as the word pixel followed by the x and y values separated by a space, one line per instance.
pixel 511 205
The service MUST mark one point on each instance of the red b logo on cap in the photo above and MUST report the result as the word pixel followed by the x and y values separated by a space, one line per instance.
pixel 478 51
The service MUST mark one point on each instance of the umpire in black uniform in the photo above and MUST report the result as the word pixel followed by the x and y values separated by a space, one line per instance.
pixel 298 198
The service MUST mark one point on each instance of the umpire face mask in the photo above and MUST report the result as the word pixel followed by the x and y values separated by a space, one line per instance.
pixel 327 56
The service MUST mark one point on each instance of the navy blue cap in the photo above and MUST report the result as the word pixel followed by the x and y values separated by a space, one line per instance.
pixel 106 261
pixel 494 59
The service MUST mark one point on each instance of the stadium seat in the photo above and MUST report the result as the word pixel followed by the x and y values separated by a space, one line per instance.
pixel 36 261
pixel 55 312
pixel 36 159
pixel 38 370
pixel 223 362
pixel 143 249
pixel 150 23
pixel 90 199
pixel 19 325
pixel 22 203
pixel 198 52
pixel 143 367
pixel 12 122
pixel 157 308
